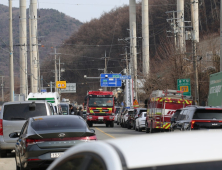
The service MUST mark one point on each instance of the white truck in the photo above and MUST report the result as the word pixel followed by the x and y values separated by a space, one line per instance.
pixel 51 97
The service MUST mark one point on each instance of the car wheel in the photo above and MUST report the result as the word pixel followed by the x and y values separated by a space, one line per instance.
pixel 117 123
pixel 112 124
pixel 3 153
pixel 146 128
pixel 134 126
pixel 139 129
pixel 128 126
pixel 151 127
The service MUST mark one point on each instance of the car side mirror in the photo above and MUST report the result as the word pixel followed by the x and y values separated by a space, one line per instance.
pixel 14 135
pixel 173 119
pixel 92 130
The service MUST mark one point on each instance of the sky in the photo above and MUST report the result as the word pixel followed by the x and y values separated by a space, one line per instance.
pixel 83 10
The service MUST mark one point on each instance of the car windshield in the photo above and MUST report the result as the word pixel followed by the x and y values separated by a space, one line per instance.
pixel 65 110
pixel 23 111
pixel 101 102
pixel 117 110
pixel 130 112
pixel 207 114
pixel 41 124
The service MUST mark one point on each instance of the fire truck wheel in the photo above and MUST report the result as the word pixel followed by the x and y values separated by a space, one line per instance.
pixel 90 124
pixel 146 128
pixel 151 129
pixel 112 124
pixel 107 124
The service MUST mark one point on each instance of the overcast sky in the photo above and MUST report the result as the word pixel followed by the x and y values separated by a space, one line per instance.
pixel 83 10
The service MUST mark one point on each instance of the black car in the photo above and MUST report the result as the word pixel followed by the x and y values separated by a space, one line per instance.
pixel 42 139
pixel 198 117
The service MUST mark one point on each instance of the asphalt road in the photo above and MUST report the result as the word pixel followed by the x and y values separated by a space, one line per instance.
pixel 102 133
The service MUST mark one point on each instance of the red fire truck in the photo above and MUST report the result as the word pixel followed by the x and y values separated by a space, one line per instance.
pixel 100 108
pixel 162 106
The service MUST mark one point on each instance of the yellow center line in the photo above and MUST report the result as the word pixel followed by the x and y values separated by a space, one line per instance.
pixel 105 133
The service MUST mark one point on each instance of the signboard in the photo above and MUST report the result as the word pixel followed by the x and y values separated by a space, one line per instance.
pixel 61 84
pixel 135 104
pixel 70 88
pixel 184 85
pixel 124 77
pixel 43 90
pixel 110 80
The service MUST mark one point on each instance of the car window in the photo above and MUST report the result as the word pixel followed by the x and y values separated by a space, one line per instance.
pixel 96 164
pixel 82 161
pixel 23 112
pixel 207 114
pixel 74 163
pixel 213 165
pixel 180 117
pixel 41 124
pixel 176 114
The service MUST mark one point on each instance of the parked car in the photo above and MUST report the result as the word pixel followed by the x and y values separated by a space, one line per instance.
pixel 140 121
pixel 45 138
pixel 130 119
pixel 84 113
pixel 198 154
pixel 174 118
pixel 198 117
pixel 125 118
pixel 119 116
pixel 137 111
pixel 63 109
pixel 13 117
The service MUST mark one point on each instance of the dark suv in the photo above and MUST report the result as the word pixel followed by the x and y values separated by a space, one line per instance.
pixel 198 117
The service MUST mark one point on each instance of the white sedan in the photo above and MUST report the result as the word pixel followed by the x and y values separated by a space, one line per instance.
pixel 140 121
pixel 199 150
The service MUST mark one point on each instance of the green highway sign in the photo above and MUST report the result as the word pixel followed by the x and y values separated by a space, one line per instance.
pixel 184 85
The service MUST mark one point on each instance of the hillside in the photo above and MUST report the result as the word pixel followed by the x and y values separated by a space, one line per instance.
pixel 83 51
pixel 53 28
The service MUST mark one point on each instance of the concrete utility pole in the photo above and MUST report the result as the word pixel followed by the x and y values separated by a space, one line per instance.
pixel 23 48
pixel 30 50
pixel 34 45
pixel 56 74
pixel 181 26
pixel 133 42
pixel 195 24
pixel 145 34
pixel 220 35
pixel 11 53
pixel 127 65
pixel 105 69
pixel 2 89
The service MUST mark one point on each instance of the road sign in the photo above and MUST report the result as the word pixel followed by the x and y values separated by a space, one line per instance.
pixel 70 88
pixel 61 84
pixel 124 77
pixel 135 104
pixel 184 85
pixel 110 80
pixel 43 90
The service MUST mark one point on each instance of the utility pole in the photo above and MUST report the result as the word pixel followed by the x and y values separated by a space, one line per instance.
pixel 145 34
pixel 34 45
pixel 221 35
pixel 133 42
pixel 30 50
pixel 180 21
pixel 127 64
pixel 195 38
pixel 2 89
pixel 11 53
pixel 56 74
pixel 23 48
pixel 105 69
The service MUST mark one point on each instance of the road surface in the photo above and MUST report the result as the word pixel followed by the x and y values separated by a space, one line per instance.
pixel 102 133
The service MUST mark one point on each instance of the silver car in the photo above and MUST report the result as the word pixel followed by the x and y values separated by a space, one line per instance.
pixel 13 116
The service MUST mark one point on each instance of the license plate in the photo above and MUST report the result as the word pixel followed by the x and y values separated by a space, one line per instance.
pixel 56 155
pixel 100 118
